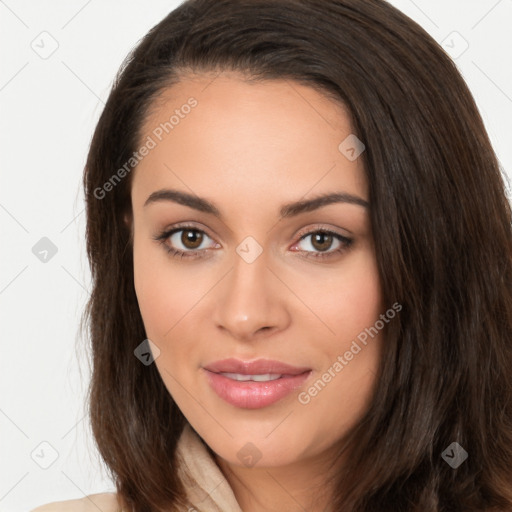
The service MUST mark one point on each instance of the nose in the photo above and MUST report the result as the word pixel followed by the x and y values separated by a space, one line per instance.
pixel 251 302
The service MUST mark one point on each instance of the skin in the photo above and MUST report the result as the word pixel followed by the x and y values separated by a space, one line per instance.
pixel 248 149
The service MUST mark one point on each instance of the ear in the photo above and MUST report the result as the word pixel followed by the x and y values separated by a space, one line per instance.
pixel 128 221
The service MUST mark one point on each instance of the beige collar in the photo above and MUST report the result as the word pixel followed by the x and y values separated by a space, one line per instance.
pixel 207 488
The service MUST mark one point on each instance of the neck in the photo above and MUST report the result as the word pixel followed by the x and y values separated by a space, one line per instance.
pixel 295 488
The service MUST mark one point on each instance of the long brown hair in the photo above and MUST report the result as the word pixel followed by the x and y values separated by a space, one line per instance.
pixel 443 238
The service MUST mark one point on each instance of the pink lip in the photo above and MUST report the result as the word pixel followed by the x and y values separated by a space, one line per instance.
pixel 252 394
pixel 257 367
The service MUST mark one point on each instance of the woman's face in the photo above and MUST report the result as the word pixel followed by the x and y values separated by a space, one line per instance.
pixel 255 279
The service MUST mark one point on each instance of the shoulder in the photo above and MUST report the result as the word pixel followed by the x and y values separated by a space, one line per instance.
pixel 106 502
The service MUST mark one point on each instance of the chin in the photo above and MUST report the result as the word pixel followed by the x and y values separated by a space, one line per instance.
pixel 254 447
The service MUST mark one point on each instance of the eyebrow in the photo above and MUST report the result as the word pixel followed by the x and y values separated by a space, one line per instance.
pixel 287 210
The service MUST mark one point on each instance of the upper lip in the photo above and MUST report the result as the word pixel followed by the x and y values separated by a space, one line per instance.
pixel 257 367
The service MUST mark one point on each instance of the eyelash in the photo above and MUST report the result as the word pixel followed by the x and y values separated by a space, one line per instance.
pixel 176 253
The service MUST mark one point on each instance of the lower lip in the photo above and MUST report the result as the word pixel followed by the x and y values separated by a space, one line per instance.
pixel 251 394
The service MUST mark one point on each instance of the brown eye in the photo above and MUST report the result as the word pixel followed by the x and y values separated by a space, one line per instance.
pixel 191 238
pixel 185 241
pixel 321 241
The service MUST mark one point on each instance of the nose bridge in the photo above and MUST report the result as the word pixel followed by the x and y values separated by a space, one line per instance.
pixel 249 296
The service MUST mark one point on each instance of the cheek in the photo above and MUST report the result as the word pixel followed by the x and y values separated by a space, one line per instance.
pixel 350 300
pixel 169 297
pixel 156 288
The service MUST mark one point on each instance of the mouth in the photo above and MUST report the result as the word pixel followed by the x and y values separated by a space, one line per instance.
pixel 256 378
pixel 254 384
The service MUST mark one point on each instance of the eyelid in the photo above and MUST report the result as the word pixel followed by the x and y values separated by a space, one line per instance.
pixel 186 225
pixel 322 227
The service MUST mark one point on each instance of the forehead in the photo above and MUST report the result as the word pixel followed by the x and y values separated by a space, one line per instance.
pixel 247 143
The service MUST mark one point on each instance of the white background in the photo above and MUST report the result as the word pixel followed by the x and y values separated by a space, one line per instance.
pixel 49 108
